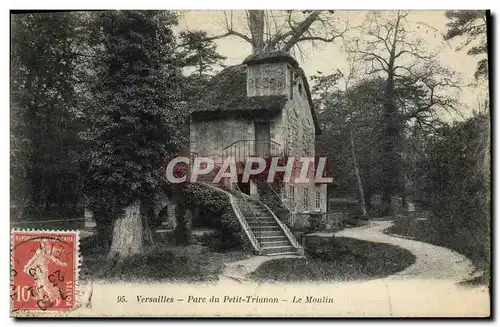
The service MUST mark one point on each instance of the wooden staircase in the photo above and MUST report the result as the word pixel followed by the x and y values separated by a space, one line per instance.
pixel 271 236
pixel 268 235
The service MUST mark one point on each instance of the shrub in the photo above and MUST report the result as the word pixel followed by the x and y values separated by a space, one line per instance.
pixel 457 180
pixel 218 213
pixel 316 221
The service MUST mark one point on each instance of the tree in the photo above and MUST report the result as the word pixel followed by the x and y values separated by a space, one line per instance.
pixel 43 134
pixel 456 177
pixel 351 112
pixel 416 87
pixel 132 123
pixel 282 30
pixel 471 25
pixel 355 111
pixel 199 55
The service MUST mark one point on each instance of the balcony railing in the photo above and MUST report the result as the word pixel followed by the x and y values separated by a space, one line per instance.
pixel 242 149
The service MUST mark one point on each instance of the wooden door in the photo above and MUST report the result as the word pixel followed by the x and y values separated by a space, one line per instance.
pixel 262 139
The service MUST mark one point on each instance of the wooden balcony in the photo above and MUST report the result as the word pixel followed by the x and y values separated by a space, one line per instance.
pixel 242 149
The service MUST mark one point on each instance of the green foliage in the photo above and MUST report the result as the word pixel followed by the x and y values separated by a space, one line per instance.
pixel 44 143
pixel 359 110
pixel 316 222
pixel 457 182
pixel 199 53
pixel 417 87
pixel 385 154
pixel 198 57
pixel 216 209
pixel 470 25
pixel 133 118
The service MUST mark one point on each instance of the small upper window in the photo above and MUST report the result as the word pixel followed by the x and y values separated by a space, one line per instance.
pixel 300 89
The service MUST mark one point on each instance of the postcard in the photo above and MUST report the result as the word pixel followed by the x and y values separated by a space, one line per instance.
pixel 250 163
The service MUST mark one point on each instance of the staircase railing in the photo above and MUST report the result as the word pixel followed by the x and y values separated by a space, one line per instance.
pixel 242 149
pixel 241 218
pixel 259 231
pixel 283 227
pixel 291 214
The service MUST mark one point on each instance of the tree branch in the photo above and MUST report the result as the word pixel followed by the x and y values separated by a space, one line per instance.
pixel 221 36
pixel 380 59
pixel 300 29
pixel 318 38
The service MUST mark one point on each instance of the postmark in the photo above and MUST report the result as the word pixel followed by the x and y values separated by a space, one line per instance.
pixel 44 270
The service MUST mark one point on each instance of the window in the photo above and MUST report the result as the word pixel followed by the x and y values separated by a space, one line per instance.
pixel 306 198
pixel 300 89
pixel 318 199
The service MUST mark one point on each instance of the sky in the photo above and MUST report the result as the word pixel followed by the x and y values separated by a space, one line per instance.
pixel 329 57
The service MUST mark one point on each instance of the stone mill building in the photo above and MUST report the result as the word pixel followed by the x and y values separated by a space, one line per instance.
pixel 262 107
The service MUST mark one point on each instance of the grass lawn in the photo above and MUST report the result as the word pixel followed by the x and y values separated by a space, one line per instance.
pixel 161 263
pixel 418 227
pixel 342 259
pixel 422 230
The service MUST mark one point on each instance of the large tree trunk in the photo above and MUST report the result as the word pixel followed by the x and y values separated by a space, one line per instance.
pixel 127 233
pixel 256 24
pixel 391 134
pixel 104 232
pixel 148 220
pixel 392 161
pixel 132 231
pixel 358 177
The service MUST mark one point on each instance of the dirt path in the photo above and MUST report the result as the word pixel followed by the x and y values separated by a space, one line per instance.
pixel 432 262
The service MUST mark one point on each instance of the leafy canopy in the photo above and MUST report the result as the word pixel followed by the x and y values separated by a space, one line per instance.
pixel 134 118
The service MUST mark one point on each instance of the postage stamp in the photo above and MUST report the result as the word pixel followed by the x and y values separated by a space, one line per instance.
pixel 44 270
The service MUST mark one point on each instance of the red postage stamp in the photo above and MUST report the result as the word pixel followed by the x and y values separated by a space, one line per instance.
pixel 44 270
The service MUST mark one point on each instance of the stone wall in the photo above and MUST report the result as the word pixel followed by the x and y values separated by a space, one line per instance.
pixel 209 137
pixel 294 128
pixel 301 131
pixel 297 133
